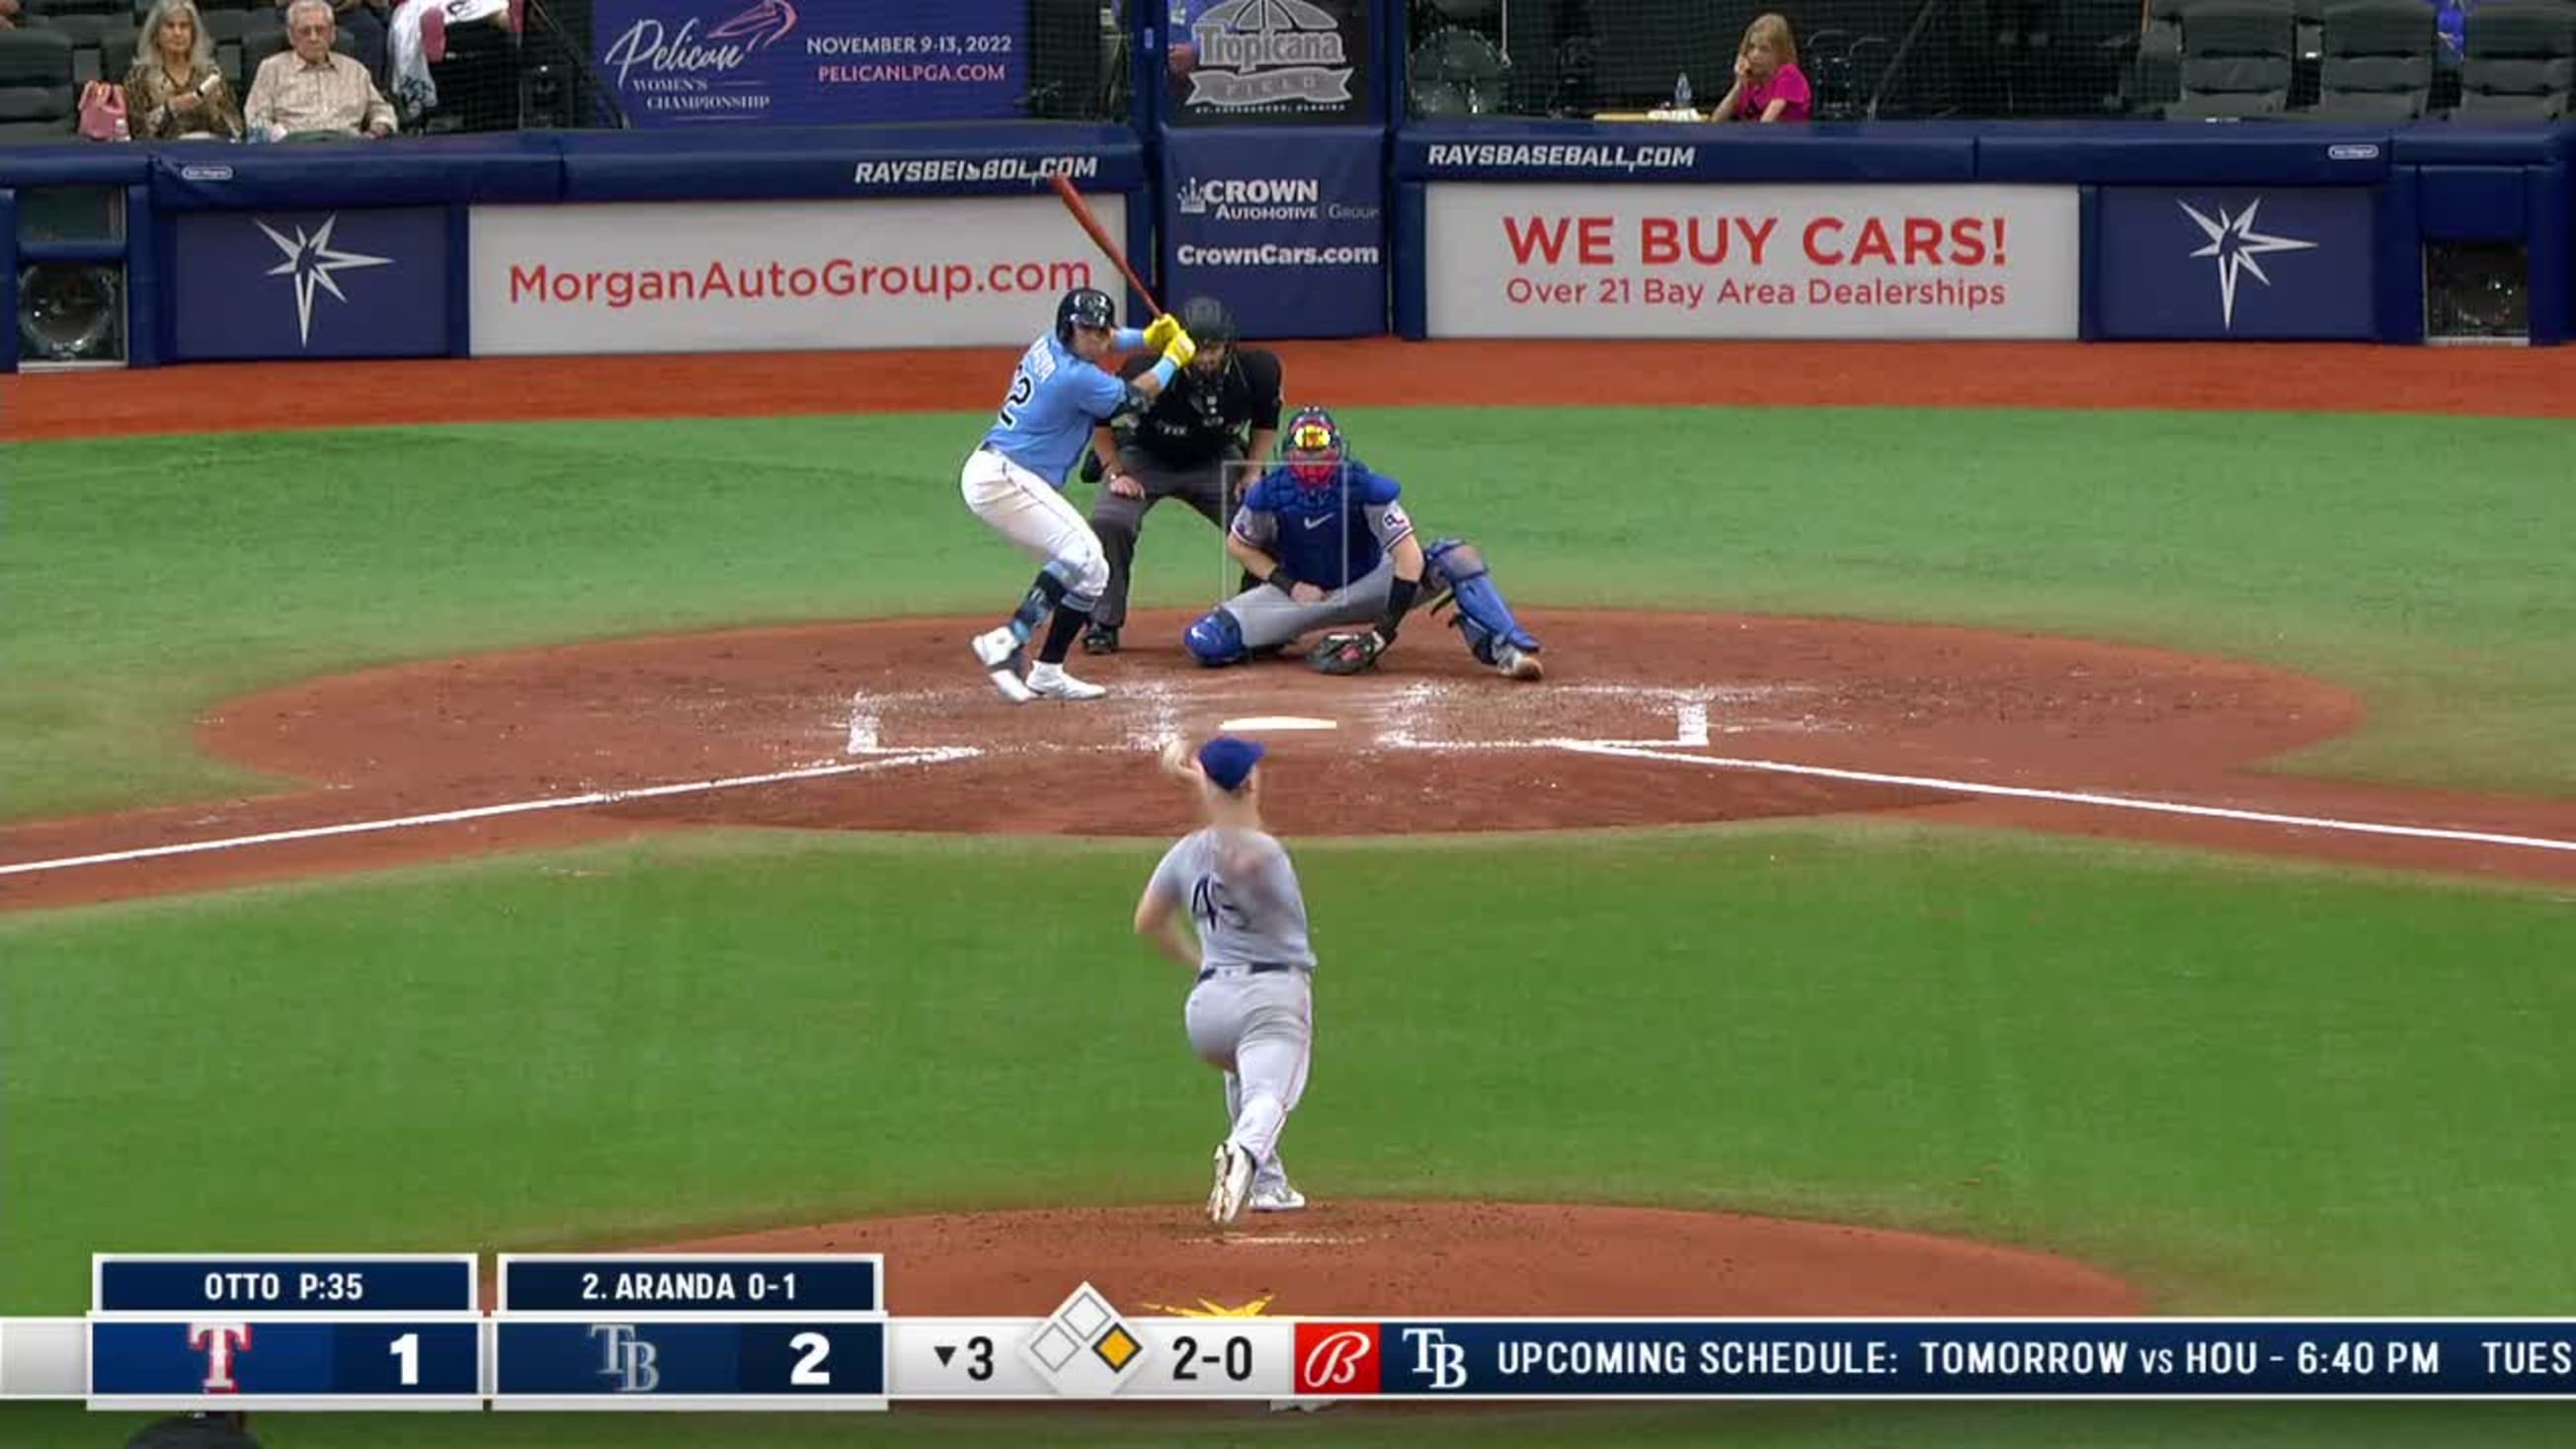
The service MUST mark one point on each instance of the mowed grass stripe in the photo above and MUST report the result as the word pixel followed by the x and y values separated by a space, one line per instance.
pixel 2417 559
pixel 2246 1086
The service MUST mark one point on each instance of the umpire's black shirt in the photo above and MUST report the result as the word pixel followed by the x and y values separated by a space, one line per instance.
pixel 1189 423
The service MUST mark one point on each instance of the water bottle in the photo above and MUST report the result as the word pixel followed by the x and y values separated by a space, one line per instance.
pixel 1681 93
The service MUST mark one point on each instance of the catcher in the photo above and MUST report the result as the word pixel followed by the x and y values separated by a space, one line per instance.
pixel 1325 534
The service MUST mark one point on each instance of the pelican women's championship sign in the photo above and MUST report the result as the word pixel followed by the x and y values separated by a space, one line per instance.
pixel 813 62
pixel 1256 62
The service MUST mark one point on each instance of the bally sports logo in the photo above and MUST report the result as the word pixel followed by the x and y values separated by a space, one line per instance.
pixel 1337 1358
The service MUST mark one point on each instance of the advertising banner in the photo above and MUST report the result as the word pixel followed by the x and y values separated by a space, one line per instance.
pixel 2288 262
pixel 1571 260
pixel 975 271
pixel 355 283
pixel 1291 238
pixel 1267 62
pixel 812 62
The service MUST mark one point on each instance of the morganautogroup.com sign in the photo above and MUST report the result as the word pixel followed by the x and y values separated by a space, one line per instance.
pixel 778 275
pixel 1560 260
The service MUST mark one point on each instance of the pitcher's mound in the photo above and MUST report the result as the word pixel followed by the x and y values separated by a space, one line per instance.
pixel 1379 1258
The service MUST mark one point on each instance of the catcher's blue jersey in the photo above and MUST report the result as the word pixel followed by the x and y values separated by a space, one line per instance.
pixel 1324 536
pixel 1055 398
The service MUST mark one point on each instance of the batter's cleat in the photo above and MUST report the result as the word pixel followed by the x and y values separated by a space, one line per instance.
pixel 1281 1198
pixel 1233 1184
pixel 999 653
pixel 1100 639
pixel 1049 681
pixel 1511 663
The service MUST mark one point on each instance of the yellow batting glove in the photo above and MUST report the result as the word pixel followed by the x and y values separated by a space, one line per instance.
pixel 1159 334
pixel 1180 349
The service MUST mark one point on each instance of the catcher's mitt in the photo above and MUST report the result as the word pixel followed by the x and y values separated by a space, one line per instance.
pixel 1347 653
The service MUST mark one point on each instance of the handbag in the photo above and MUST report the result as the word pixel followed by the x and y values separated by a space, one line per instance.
pixel 102 112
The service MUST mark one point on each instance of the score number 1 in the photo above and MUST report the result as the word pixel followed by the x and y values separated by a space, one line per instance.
pixel 407 1349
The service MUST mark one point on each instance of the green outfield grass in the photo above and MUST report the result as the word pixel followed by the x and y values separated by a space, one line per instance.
pixel 2250 1086
pixel 2420 560
pixel 2244 1086
pixel 1746 1426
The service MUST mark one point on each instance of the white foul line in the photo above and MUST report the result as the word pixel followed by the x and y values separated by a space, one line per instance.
pixel 2067 797
pixel 930 755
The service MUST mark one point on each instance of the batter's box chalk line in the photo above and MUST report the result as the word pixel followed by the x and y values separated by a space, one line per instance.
pixel 2072 797
pixel 887 760
pixel 1150 712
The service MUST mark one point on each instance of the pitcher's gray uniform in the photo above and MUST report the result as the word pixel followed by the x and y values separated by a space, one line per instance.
pixel 1252 1012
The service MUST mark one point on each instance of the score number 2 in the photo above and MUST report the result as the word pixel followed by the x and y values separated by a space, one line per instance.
pixel 809 1372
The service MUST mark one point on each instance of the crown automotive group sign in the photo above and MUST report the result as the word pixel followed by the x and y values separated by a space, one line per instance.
pixel 1251 62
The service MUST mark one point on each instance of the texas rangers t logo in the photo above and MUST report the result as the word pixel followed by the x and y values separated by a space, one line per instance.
pixel 1337 1358
pixel 220 1342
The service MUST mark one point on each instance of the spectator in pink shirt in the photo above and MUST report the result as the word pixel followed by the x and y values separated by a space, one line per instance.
pixel 1768 84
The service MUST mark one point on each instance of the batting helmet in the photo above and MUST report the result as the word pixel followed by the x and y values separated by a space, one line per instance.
pixel 1315 452
pixel 1084 307
pixel 1206 320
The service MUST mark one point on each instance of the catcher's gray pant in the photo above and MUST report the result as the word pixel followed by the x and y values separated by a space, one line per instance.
pixel 1270 618
pixel 1260 1031
pixel 1118 520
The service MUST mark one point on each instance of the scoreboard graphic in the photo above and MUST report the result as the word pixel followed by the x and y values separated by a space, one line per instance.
pixel 169 1333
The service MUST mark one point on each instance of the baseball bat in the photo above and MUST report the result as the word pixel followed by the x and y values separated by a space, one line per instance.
pixel 1081 210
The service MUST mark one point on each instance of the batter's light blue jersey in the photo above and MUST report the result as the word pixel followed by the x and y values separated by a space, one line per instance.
pixel 1242 894
pixel 1055 398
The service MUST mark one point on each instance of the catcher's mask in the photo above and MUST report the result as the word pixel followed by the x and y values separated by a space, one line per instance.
pixel 1314 453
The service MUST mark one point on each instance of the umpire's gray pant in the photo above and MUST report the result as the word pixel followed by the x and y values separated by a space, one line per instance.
pixel 1270 618
pixel 1118 520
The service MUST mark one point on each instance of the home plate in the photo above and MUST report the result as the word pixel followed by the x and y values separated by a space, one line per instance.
pixel 1251 723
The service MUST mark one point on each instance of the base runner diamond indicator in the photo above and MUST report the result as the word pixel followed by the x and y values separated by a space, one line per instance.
pixel 1082 1349
pixel 1115 1348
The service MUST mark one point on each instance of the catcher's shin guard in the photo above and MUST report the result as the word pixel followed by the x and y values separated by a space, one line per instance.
pixel 1483 617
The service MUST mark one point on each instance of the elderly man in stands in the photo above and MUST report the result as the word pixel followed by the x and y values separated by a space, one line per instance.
pixel 314 90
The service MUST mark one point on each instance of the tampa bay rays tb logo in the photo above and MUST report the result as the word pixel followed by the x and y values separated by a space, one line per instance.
pixel 627 1358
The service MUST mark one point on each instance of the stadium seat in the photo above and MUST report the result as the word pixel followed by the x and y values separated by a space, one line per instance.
pixel 38 101
pixel 1463 71
pixel 2520 62
pixel 1066 68
pixel 2150 78
pixel 102 44
pixel 2378 62
pixel 2235 60
pixel 1635 59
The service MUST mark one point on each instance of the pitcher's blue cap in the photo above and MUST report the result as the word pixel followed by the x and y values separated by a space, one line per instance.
pixel 1228 760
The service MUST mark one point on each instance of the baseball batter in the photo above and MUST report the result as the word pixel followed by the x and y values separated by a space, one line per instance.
pixel 1014 480
pixel 1329 538
pixel 1252 1013
pixel 1219 415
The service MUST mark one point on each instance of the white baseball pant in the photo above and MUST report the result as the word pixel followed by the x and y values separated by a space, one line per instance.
pixel 1019 505
pixel 1260 1031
